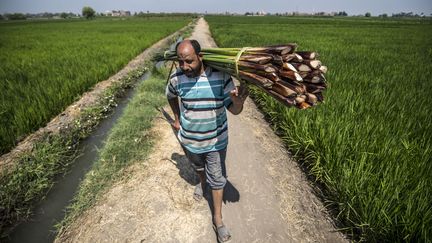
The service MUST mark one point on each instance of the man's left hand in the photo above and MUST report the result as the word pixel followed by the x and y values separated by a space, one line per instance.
pixel 239 94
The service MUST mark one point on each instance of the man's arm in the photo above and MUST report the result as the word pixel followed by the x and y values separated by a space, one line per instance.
pixel 234 97
pixel 174 104
pixel 235 109
pixel 238 97
pixel 173 100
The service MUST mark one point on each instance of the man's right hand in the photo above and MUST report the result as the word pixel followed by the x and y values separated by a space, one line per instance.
pixel 176 125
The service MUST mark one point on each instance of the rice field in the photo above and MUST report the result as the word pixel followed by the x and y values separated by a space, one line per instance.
pixel 370 144
pixel 46 65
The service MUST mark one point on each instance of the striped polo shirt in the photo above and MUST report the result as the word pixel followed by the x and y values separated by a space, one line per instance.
pixel 203 103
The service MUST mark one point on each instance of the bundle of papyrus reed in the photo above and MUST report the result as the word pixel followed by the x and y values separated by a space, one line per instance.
pixel 294 78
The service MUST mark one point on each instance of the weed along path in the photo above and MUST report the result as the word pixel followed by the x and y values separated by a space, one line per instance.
pixel 267 199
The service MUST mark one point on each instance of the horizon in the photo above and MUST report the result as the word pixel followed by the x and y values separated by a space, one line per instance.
pixel 222 6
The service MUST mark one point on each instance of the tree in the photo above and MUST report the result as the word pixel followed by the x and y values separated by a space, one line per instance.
pixel 88 12
pixel 342 13
pixel 64 15
pixel 47 15
pixel 367 14
pixel 15 16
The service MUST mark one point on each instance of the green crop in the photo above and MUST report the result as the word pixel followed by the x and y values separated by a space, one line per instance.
pixel 46 65
pixel 370 143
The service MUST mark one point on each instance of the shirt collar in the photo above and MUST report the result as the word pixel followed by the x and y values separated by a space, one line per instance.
pixel 207 72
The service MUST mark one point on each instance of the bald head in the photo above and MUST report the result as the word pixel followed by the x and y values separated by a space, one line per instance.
pixel 187 44
pixel 189 58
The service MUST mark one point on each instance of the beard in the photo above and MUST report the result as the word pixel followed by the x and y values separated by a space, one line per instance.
pixel 194 72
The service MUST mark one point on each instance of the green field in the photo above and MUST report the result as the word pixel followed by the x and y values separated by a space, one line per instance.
pixel 46 65
pixel 370 144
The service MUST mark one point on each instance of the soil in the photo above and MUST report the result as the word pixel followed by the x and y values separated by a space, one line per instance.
pixel 268 197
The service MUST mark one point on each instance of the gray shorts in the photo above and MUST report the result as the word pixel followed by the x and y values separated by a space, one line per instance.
pixel 213 163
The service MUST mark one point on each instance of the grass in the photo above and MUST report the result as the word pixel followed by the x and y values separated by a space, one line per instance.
pixel 36 170
pixel 370 143
pixel 128 142
pixel 46 65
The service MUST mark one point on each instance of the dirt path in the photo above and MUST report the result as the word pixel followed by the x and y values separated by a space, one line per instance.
pixel 267 199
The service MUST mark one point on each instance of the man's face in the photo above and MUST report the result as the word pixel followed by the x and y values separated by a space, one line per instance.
pixel 190 62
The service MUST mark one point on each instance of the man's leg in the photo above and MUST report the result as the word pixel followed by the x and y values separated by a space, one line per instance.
pixel 198 163
pixel 216 176
pixel 202 178
pixel 217 206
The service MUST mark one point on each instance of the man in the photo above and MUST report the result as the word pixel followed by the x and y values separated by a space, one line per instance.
pixel 200 119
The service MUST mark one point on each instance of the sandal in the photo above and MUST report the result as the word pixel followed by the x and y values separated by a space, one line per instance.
pixel 222 232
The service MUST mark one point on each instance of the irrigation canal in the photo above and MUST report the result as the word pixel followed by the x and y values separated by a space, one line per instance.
pixel 51 210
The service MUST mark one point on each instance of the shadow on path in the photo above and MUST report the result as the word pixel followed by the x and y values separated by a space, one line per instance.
pixel 187 172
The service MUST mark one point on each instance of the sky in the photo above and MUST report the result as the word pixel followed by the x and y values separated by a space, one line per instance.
pixel 352 7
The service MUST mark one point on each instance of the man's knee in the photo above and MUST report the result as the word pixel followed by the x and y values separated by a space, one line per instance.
pixel 215 169
pixel 216 181
pixel 197 161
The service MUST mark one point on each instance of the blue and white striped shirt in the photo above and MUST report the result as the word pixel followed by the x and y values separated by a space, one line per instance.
pixel 203 103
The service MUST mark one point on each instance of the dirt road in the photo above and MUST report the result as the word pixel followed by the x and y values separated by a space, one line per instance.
pixel 267 199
